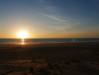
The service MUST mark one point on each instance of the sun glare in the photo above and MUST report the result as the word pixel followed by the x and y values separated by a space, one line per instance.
pixel 22 35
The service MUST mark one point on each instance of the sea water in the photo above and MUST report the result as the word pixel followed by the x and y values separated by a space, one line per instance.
pixel 52 40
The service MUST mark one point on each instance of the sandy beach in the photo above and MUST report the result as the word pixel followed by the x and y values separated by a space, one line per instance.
pixel 49 59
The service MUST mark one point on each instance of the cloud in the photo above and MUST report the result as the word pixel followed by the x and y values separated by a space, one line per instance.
pixel 61 24
pixel 55 18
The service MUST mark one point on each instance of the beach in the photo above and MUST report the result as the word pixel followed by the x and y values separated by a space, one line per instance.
pixel 49 59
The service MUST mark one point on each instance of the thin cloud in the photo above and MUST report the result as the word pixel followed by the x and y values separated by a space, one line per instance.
pixel 55 18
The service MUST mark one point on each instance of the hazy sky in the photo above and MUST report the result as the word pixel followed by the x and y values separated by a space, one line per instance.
pixel 50 16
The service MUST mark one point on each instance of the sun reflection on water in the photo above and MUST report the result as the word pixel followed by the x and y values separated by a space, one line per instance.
pixel 23 41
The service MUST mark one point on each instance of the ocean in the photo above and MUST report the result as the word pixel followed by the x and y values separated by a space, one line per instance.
pixel 52 40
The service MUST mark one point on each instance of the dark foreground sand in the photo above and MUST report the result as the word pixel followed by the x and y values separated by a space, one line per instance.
pixel 49 59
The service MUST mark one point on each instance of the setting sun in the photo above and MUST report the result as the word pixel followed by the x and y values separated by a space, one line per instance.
pixel 22 34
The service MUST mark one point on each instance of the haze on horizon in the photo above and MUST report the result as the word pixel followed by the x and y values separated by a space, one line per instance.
pixel 50 18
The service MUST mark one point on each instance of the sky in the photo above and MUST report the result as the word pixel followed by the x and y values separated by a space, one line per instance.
pixel 50 18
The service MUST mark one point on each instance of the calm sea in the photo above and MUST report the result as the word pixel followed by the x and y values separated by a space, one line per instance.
pixel 2 41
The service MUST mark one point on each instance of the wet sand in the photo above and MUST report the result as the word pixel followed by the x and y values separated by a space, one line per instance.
pixel 49 59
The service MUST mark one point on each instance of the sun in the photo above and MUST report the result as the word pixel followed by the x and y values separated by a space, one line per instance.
pixel 23 34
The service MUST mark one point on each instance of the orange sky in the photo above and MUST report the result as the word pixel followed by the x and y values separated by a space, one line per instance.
pixel 70 35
